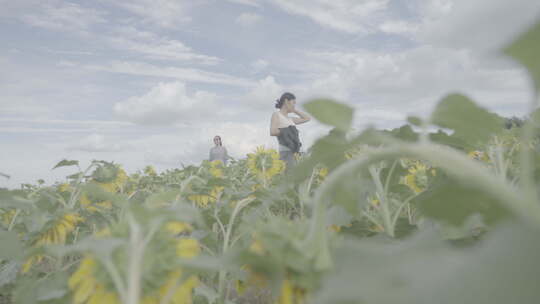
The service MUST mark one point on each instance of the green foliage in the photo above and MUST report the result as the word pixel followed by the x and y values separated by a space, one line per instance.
pixel 453 202
pixel 525 49
pixel 331 113
pixel 502 269
pixel 66 163
pixel 11 246
pixel 470 123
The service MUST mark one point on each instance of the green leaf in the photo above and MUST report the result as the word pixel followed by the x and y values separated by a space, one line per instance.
pixel 328 150
pixel 337 215
pixel 12 248
pixel 164 198
pixel 75 176
pixel 351 191
pixel 526 50
pixel 331 113
pixel 501 269
pixel 453 203
pixel 66 163
pixel 415 121
pixel 471 123
pixel 208 293
pixel 15 199
pixel 405 133
pixel 31 290
pixel 8 272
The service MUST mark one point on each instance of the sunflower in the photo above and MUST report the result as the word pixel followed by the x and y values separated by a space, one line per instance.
pixel 56 234
pixel 177 227
pixel 65 187
pixel 203 200
pixel 150 171
pixel 7 216
pixel 321 174
pixel 335 228
pixel 88 289
pixel 417 177
pixel 216 168
pixel 291 294
pixel 265 163
pixel 115 184
pixel 479 155
pixel 94 206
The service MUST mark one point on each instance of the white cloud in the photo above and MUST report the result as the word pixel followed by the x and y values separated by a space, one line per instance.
pixel 254 3
pixel 63 16
pixel 184 74
pixel 156 47
pixel 263 95
pixel 350 16
pixel 97 143
pixel 412 81
pixel 164 13
pixel 260 64
pixel 248 19
pixel 165 104
pixel 485 25
pixel 399 27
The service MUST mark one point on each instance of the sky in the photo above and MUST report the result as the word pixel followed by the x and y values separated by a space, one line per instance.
pixel 150 82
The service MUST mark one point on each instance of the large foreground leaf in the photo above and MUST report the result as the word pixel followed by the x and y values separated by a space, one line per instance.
pixel 501 269
pixel 526 50
pixel 331 113
pixel 453 202
pixel 470 123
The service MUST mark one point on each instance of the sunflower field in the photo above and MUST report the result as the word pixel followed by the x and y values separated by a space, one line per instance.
pixel 396 216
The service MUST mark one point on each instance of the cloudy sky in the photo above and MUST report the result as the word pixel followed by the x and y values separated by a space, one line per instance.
pixel 152 81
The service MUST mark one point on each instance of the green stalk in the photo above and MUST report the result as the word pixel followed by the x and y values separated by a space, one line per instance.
pixel 527 161
pixel 136 252
pixel 12 223
pixel 387 217
pixel 451 161
pixel 223 273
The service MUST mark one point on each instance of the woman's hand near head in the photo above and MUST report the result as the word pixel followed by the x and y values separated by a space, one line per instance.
pixel 303 117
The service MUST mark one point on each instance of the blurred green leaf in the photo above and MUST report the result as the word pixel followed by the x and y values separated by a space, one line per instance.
pixel 331 113
pixel 501 269
pixel 328 150
pixel 351 192
pixel 471 123
pixel 101 247
pixel 75 176
pixel 415 121
pixel 526 49
pixel 32 290
pixel 8 272
pixel 453 202
pixel 164 198
pixel 15 199
pixel 337 215
pixel 208 293
pixel 4 175
pixel 12 248
pixel 405 133
pixel 25 291
pixel 66 163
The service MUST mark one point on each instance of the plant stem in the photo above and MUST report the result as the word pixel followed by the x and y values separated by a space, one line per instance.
pixel 136 253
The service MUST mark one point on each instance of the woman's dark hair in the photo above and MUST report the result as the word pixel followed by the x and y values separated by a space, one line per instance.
pixel 219 139
pixel 285 96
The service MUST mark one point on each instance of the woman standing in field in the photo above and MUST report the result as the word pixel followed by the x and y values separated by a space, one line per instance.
pixel 284 127
pixel 218 152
